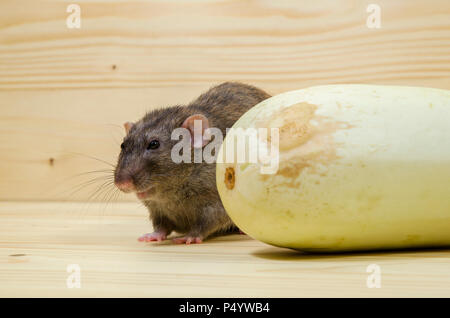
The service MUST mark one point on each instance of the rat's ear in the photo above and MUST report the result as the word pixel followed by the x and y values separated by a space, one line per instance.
pixel 197 125
pixel 127 126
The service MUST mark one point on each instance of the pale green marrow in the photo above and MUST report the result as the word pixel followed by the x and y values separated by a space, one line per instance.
pixel 360 167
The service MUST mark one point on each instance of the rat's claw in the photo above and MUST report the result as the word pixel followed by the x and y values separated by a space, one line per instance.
pixel 155 236
pixel 187 240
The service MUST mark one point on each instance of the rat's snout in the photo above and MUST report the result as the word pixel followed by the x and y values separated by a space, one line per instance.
pixel 124 183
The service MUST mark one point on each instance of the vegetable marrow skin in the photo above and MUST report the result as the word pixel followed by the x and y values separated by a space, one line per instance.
pixel 361 167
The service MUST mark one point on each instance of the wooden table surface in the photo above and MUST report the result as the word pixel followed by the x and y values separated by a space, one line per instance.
pixel 39 240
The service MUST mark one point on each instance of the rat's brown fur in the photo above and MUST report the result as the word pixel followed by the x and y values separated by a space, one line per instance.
pixel 184 196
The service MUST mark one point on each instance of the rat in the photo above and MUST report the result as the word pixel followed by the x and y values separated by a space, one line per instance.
pixel 181 197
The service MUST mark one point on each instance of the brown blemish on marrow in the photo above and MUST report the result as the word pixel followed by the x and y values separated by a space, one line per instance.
pixel 292 169
pixel 306 140
pixel 229 178
pixel 294 125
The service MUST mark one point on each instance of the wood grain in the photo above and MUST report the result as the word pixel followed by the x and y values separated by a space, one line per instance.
pixel 65 91
pixel 39 240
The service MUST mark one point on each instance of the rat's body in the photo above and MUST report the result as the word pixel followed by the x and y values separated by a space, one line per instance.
pixel 181 197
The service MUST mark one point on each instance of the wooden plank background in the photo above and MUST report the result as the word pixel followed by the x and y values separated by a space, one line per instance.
pixel 64 93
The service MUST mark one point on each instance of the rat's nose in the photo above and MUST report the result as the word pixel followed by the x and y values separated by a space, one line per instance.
pixel 125 185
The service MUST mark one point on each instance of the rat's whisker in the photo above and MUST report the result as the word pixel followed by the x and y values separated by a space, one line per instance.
pixel 115 126
pixel 105 197
pixel 100 189
pixel 55 187
pixel 93 158
pixel 98 192
pixel 71 191
pixel 112 197
pixel 85 184
pixel 103 171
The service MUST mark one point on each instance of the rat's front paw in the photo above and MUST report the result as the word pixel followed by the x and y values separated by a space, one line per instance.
pixel 155 236
pixel 188 240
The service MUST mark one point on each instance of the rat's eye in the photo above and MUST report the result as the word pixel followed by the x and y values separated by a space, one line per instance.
pixel 122 145
pixel 154 144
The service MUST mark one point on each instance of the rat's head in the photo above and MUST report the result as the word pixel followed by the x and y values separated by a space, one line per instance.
pixel 145 164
